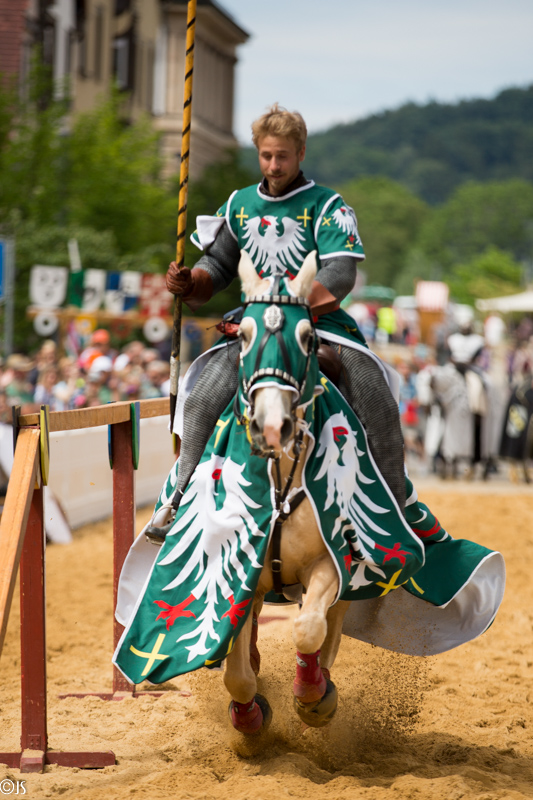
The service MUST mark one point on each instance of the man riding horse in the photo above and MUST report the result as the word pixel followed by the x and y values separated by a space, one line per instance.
pixel 279 222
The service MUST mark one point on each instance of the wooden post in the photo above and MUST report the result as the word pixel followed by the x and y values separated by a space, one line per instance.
pixel 22 540
pixel 15 517
pixel 123 522
pixel 34 738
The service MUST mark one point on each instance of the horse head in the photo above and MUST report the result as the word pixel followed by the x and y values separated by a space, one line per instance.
pixel 278 362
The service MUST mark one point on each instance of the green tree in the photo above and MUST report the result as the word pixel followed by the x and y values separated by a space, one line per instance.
pixel 490 274
pixel 477 216
pixel 417 268
pixel 434 148
pixel 389 219
pixel 114 181
pixel 101 184
pixel 31 147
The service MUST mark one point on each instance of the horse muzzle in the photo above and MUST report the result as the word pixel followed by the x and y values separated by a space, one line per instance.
pixel 271 436
pixel 272 420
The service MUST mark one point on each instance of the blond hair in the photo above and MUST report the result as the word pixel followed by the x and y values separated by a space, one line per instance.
pixel 277 121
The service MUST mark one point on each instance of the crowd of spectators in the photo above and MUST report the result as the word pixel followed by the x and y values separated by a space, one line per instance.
pixel 98 375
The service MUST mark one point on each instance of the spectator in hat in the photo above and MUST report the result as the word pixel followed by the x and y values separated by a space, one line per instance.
pixel 18 387
pixel 100 345
pixel 99 375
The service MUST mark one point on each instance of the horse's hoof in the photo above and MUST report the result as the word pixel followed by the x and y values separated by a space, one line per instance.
pixel 320 712
pixel 251 718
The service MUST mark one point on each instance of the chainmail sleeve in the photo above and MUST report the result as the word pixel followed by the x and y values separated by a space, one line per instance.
pixel 338 275
pixel 221 259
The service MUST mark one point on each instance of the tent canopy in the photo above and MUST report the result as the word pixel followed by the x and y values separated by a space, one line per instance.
pixel 373 292
pixel 513 302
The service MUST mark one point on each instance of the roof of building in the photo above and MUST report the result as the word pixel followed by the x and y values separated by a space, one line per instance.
pixel 220 9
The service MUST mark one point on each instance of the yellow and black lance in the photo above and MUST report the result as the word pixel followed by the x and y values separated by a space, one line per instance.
pixel 182 202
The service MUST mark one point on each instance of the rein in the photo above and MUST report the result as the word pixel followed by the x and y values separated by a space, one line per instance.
pixel 274 319
pixel 284 510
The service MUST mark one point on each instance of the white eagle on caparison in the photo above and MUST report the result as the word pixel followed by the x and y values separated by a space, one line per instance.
pixel 271 251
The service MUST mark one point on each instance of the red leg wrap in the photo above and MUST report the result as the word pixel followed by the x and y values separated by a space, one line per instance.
pixel 310 683
pixel 246 717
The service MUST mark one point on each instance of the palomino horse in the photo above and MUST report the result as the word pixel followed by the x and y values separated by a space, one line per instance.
pixel 297 553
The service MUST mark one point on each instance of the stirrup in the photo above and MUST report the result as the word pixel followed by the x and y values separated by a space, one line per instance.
pixel 157 534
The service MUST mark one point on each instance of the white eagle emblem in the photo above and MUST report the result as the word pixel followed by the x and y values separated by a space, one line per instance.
pixel 271 252
pixel 346 220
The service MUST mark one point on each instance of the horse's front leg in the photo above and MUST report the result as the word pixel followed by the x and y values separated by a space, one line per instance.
pixel 315 696
pixel 330 648
pixel 249 712
pixel 255 656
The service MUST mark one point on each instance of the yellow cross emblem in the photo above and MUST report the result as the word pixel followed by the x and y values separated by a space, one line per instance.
pixel 324 382
pixel 306 218
pixel 326 221
pixel 216 661
pixel 417 587
pixel 349 244
pixel 388 587
pixel 242 216
pixel 220 425
pixel 153 656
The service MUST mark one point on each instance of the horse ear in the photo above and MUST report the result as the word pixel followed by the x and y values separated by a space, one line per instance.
pixel 249 278
pixel 301 285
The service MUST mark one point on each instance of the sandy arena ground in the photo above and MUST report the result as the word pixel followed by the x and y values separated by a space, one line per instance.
pixel 453 726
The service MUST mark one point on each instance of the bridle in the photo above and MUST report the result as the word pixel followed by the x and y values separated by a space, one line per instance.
pixel 274 319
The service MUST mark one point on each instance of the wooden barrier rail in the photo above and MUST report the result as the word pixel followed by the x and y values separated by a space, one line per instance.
pixel 110 414
pixel 22 542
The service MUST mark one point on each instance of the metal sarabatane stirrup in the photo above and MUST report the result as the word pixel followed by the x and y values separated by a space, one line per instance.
pixel 157 534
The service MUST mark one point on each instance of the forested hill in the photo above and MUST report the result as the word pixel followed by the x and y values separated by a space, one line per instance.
pixel 432 148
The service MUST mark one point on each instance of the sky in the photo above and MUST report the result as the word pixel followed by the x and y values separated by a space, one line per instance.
pixel 337 61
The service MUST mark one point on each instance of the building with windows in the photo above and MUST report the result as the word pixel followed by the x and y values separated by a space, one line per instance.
pixel 138 45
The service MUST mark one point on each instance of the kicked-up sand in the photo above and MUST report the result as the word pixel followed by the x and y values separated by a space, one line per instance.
pixel 458 725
